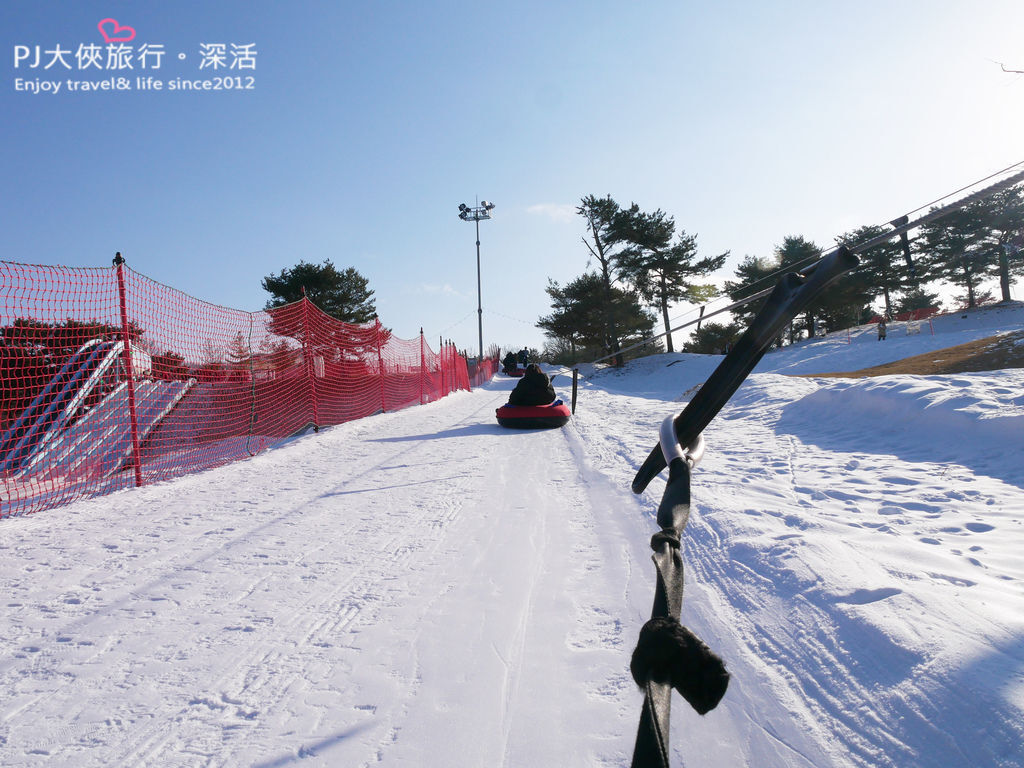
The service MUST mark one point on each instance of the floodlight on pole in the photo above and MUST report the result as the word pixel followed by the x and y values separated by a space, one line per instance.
pixel 477 213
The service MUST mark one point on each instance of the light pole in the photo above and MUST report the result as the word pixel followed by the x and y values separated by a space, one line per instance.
pixel 477 214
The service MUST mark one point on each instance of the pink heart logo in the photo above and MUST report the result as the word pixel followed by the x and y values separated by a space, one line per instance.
pixel 117 33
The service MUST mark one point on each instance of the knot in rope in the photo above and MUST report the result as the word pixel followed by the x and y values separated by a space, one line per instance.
pixel 669 653
pixel 664 536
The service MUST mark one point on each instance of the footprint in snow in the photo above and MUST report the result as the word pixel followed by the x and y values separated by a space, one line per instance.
pixel 979 527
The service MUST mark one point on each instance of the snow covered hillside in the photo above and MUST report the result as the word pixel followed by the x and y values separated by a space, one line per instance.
pixel 424 588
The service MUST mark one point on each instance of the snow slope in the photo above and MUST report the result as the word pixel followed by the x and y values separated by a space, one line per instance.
pixel 424 588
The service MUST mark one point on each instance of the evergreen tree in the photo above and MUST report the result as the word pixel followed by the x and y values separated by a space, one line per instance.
pixel 170 366
pixel 1002 219
pixel 343 295
pixel 659 270
pixel 713 338
pixel 238 355
pixel 601 215
pixel 910 269
pixel 880 267
pixel 795 254
pixel 844 303
pixel 753 275
pixel 563 325
pixel 915 299
pixel 955 249
pixel 581 312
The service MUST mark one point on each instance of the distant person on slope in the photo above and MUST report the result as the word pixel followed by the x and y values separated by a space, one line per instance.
pixel 881 329
pixel 533 389
pixel 509 363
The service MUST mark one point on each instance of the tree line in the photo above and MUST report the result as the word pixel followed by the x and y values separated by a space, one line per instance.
pixel 642 263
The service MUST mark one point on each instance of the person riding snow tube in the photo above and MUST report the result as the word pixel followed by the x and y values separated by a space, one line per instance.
pixel 533 389
pixel 549 416
pixel 530 404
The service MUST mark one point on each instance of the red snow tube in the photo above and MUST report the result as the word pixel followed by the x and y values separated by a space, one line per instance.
pixel 533 416
pixel 517 372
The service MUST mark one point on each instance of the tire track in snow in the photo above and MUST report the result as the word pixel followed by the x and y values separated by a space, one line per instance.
pixel 530 541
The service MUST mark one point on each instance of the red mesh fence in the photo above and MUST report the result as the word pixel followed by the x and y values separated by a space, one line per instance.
pixel 109 379
pixel 914 314
pixel 483 371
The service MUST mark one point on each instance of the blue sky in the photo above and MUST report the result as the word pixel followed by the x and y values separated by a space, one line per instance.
pixel 369 123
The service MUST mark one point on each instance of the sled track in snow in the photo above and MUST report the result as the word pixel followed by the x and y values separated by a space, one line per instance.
pixel 324 621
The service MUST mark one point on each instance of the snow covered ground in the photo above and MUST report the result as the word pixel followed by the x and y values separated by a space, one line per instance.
pixel 424 588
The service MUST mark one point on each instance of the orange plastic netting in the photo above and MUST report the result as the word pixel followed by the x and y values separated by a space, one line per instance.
pixel 109 379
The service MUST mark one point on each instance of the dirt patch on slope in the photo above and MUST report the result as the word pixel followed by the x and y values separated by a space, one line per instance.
pixel 994 353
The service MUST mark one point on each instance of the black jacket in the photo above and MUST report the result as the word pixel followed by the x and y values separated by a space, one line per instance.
pixel 533 389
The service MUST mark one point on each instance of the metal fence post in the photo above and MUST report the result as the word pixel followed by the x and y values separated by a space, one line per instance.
pixel 126 354
pixel 421 366
pixel 440 363
pixel 310 375
pixel 380 363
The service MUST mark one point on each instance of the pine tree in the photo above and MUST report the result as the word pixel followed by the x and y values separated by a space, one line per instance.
pixel 661 271
pixel 1002 219
pixel 581 312
pixel 794 254
pixel 880 267
pixel 563 325
pixel 954 248
pixel 600 215
pixel 713 338
pixel 343 295
pixel 753 274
